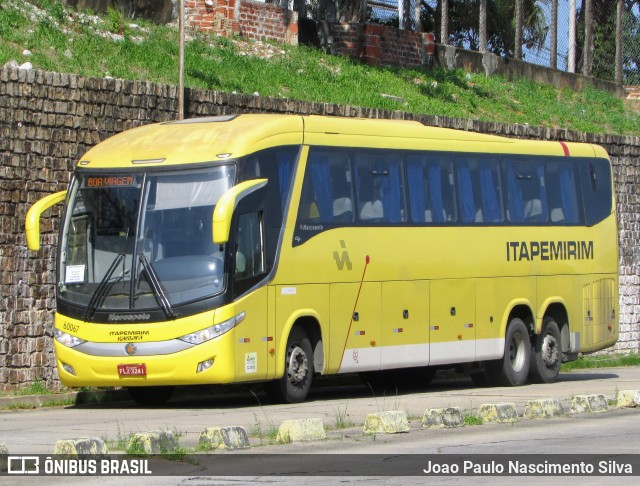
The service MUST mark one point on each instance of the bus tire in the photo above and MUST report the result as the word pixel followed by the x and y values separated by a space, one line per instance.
pixel 148 396
pixel 513 368
pixel 546 353
pixel 295 384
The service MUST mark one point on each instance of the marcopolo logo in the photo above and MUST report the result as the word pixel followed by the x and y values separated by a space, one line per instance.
pixel 129 317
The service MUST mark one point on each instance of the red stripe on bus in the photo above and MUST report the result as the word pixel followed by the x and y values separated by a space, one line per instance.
pixel 565 148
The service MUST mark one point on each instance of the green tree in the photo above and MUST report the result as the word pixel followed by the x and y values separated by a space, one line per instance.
pixel 501 31
pixel 604 21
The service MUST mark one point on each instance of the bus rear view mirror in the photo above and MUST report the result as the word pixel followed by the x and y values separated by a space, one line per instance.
pixel 227 204
pixel 32 222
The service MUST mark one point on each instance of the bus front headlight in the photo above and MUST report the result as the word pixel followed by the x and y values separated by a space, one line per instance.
pixel 214 331
pixel 67 339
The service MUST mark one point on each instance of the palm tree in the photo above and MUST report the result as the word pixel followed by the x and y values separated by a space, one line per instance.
pixel 501 33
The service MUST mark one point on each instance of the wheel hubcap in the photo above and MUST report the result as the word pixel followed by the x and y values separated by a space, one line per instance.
pixel 517 352
pixel 298 366
pixel 549 351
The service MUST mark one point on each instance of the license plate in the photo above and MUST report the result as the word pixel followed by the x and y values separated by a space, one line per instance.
pixel 132 370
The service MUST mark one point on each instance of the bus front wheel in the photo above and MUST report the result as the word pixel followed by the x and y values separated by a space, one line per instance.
pixel 546 353
pixel 513 368
pixel 294 386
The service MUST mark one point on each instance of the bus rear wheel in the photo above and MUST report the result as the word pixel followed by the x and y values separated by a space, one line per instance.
pixel 151 395
pixel 513 368
pixel 546 353
pixel 294 386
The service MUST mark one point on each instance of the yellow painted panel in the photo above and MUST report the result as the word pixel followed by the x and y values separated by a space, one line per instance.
pixel 355 327
pixel 453 312
pixel 405 321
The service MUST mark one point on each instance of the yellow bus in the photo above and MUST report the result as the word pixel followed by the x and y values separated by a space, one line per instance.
pixel 272 248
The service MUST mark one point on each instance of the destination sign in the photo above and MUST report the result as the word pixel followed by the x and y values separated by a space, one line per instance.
pixel 110 181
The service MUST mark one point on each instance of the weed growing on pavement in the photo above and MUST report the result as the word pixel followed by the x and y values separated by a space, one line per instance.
pixel 342 419
pixel 472 418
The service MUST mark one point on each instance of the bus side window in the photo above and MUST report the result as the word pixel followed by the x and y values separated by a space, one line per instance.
pixel 479 192
pixel 249 264
pixel 595 177
pixel 563 192
pixel 430 188
pixel 526 191
pixel 379 188
pixel 326 191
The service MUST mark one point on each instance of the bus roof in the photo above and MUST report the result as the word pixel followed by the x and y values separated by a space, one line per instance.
pixel 216 139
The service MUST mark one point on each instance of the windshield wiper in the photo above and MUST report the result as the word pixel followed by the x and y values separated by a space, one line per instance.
pixel 154 281
pixel 104 287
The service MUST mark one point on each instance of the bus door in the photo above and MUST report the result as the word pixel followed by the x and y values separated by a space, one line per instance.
pixel 359 350
pixel 452 330
pixel 404 330
pixel 252 335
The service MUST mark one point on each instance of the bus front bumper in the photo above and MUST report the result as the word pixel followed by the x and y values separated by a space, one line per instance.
pixel 208 363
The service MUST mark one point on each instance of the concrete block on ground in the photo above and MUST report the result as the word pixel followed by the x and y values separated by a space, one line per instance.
pixel 72 447
pixel 162 442
pixel 628 398
pixel 301 430
pixel 443 417
pixel 223 438
pixel 544 408
pixel 498 412
pixel 589 403
pixel 389 422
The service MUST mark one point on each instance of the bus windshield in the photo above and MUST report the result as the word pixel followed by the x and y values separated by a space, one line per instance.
pixel 142 241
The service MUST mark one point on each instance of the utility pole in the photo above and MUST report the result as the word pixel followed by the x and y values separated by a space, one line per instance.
pixel 482 42
pixel 571 55
pixel 519 26
pixel 444 22
pixel 618 76
pixel 553 46
pixel 181 61
pixel 587 57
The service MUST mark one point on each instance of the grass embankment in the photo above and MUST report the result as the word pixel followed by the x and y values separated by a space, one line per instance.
pixel 68 41
pixel 603 361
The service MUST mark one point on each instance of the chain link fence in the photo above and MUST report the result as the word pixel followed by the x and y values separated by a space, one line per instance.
pixel 535 42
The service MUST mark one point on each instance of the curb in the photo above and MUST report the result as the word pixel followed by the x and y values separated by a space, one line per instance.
pixel 389 422
pixel 301 430
pixel 498 412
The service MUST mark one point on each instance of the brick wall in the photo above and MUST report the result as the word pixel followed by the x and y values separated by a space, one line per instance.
pixel 374 44
pixel 252 20
pixel 49 120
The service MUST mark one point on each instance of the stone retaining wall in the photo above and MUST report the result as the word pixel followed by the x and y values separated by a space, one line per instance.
pixel 49 120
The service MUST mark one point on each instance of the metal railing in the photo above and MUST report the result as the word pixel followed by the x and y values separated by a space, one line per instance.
pixel 562 34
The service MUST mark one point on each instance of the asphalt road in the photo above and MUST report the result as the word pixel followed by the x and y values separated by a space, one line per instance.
pixel 36 431
pixel 614 432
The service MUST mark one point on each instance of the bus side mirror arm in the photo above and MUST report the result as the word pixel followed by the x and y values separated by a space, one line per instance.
pixel 32 222
pixel 227 204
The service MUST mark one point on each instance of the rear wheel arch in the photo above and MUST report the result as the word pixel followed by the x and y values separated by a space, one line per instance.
pixel 522 311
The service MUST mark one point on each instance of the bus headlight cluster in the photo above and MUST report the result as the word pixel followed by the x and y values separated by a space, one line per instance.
pixel 67 339
pixel 214 331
